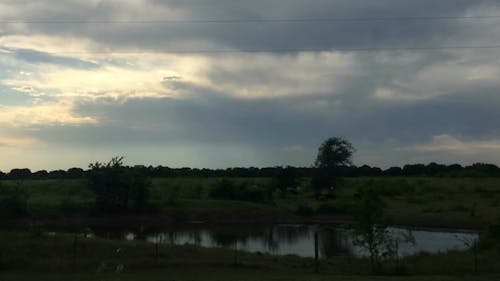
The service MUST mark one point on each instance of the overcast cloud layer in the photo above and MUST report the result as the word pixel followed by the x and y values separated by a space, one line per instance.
pixel 223 83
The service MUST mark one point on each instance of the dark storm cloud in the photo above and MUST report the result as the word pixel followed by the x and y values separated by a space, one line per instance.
pixel 259 35
pixel 275 123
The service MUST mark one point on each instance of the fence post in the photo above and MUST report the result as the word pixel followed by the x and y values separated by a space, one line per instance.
pixel 316 253
pixel 236 252
pixel 475 249
pixel 75 245
pixel 157 250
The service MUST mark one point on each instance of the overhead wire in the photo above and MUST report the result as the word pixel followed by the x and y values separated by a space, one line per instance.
pixel 267 20
pixel 249 20
pixel 283 50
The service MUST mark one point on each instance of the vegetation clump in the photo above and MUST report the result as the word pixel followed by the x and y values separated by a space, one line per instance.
pixel 13 201
pixel 369 229
pixel 118 188
pixel 245 191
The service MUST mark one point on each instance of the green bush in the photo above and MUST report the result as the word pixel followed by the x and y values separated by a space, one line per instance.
pixel 118 188
pixel 230 190
pixel 225 190
pixel 13 202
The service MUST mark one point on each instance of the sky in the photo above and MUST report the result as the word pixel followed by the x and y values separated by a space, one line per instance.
pixel 222 83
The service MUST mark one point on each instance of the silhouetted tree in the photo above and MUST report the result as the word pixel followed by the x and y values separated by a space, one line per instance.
pixel 40 175
pixel 75 173
pixel 19 174
pixel 368 171
pixel 117 187
pixel 57 174
pixel 393 172
pixel 333 154
pixel 414 170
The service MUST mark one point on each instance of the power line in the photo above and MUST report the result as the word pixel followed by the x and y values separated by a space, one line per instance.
pixel 256 20
pixel 284 50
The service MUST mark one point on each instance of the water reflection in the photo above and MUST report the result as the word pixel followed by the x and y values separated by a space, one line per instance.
pixel 297 239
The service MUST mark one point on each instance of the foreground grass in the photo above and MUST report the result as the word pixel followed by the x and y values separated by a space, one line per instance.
pixel 229 274
pixel 44 256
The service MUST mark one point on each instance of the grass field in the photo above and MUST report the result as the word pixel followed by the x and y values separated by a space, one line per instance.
pixel 467 202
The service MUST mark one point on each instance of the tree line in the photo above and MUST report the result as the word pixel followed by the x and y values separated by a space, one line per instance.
pixel 413 170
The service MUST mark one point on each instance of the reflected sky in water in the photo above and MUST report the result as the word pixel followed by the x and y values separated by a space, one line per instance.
pixel 299 239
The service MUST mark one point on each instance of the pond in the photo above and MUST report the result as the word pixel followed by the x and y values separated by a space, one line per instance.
pixel 298 239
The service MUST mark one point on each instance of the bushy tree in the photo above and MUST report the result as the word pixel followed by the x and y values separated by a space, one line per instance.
pixel 118 188
pixel 19 174
pixel 333 154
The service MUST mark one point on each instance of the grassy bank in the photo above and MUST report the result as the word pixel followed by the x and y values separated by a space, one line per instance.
pixel 460 202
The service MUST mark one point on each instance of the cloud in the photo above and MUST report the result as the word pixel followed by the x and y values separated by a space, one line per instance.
pixel 191 36
pixel 447 143
pixel 119 75
pixel 42 114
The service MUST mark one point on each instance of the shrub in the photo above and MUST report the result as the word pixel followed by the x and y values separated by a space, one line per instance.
pixel 118 188
pixel 368 226
pixel 13 202
pixel 225 190
pixel 229 190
